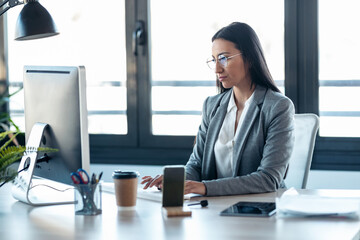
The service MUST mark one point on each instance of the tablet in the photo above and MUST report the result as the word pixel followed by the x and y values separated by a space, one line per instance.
pixel 251 209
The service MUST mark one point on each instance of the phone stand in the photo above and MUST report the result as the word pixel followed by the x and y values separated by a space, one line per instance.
pixel 177 211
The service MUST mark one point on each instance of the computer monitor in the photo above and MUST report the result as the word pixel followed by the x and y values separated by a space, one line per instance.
pixel 55 117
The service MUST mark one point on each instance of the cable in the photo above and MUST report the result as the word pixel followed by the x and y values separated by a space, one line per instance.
pixel 56 189
pixel 8 178
pixel 2 184
pixel 44 158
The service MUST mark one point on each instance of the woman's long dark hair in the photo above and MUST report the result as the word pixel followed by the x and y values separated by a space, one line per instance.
pixel 246 40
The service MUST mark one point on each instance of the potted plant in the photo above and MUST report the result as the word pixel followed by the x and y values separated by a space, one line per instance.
pixel 9 155
pixel 10 149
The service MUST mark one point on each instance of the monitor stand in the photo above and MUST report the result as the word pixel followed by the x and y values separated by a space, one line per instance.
pixel 33 190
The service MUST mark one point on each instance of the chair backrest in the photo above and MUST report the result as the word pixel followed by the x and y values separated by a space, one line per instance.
pixel 306 127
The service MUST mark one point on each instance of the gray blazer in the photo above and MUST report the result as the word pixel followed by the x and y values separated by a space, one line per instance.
pixel 262 149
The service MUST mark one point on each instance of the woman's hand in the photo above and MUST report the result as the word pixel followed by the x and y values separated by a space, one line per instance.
pixel 150 181
pixel 190 186
pixel 195 187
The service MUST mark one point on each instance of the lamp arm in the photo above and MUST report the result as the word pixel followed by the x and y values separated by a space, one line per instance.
pixel 11 3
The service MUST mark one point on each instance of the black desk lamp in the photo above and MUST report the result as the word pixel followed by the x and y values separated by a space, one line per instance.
pixel 34 20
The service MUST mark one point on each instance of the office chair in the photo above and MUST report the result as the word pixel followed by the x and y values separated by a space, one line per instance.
pixel 306 127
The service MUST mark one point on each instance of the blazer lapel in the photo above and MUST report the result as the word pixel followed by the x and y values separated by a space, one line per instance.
pixel 209 168
pixel 251 115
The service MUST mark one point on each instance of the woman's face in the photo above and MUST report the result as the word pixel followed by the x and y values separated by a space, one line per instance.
pixel 236 72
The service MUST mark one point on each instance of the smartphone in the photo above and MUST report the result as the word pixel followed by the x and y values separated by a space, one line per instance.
pixel 173 186
pixel 250 209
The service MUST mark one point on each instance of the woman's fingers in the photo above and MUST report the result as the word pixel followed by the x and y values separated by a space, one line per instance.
pixel 156 181
pixel 146 179
pixel 194 187
pixel 150 182
pixel 190 186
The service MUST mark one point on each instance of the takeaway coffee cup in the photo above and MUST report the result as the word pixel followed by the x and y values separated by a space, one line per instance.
pixel 125 183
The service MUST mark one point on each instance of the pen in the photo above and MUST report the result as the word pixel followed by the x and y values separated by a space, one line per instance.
pixel 93 179
pixel 100 175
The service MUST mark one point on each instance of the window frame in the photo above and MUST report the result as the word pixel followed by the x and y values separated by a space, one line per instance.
pixel 149 149
pixel 105 141
pixel 3 62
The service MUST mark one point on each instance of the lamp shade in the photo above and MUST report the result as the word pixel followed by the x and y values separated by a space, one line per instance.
pixel 34 22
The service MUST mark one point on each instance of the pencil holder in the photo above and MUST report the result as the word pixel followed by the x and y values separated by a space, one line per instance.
pixel 88 199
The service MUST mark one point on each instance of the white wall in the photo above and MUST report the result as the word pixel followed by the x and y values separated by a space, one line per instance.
pixel 317 179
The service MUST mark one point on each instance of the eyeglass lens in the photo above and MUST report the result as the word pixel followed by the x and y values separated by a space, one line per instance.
pixel 222 60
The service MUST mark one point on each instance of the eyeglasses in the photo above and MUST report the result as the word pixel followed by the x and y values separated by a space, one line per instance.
pixel 223 60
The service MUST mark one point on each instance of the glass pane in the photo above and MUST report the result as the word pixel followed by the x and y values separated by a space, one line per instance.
pixel 89 37
pixel 180 98
pixel 339 71
pixel 180 124
pixel 180 46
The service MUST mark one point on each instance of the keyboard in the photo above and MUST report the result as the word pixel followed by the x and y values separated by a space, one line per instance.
pixel 152 194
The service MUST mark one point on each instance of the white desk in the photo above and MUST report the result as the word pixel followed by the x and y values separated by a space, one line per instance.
pixel 20 221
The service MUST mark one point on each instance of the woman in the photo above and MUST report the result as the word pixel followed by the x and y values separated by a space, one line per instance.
pixel 246 137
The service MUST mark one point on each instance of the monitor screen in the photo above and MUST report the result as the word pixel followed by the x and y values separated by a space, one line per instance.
pixel 57 96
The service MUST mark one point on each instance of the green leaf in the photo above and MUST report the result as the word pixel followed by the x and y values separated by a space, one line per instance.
pixel 10 155
pixel 13 136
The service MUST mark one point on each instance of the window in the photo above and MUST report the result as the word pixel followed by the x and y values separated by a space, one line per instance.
pixel 146 109
pixel 89 37
pixel 180 79
pixel 312 77
pixel 339 71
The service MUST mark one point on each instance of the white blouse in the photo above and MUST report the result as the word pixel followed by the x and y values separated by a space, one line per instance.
pixel 226 140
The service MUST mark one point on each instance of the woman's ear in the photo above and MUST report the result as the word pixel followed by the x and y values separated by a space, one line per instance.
pixel 249 64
